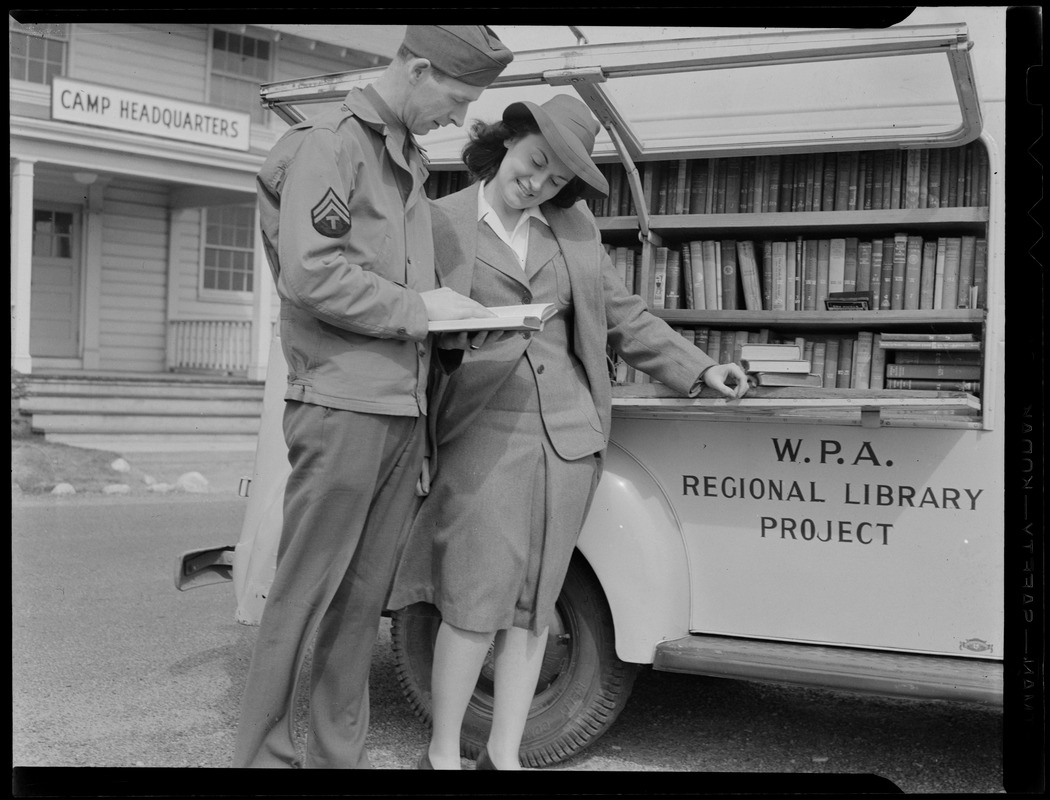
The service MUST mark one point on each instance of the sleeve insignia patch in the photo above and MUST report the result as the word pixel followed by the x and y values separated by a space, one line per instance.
pixel 331 216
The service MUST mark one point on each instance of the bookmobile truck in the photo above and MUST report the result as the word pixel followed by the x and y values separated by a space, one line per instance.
pixel 849 536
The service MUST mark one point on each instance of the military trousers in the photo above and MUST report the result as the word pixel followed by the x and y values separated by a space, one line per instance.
pixel 347 499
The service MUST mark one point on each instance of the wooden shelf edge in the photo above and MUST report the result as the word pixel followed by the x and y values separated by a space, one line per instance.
pixel 658 397
pixel 866 319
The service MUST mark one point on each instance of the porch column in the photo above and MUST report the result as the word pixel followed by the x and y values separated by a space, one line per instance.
pixel 262 298
pixel 21 262
pixel 93 272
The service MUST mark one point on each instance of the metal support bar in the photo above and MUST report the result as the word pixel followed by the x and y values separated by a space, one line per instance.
pixel 586 80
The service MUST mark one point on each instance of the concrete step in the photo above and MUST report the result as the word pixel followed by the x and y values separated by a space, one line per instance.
pixel 39 405
pixel 131 423
pixel 156 442
pixel 155 413
pixel 124 387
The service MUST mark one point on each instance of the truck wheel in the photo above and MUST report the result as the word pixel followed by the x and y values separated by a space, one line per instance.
pixel 582 687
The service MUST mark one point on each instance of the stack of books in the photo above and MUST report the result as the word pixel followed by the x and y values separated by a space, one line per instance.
pixel 778 365
pixel 936 362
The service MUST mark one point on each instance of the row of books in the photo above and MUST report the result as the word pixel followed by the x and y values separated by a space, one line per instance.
pixel 864 360
pixel 445 182
pixel 845 181
pixel 898 272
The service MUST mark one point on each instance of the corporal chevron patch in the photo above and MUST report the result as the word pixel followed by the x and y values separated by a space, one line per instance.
pixel 331 216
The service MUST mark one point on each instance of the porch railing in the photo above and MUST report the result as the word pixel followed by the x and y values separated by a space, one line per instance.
pixel 210 345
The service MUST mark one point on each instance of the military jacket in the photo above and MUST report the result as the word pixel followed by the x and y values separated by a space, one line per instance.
pixel 350 254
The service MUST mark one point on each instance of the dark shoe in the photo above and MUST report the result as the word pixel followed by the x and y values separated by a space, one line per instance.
pixel 424 761
pixel 484 762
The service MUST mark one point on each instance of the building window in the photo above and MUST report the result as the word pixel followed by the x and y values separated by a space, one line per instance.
pixel 229 253
pixel 52 234
pixel 239 64
pixel 38 51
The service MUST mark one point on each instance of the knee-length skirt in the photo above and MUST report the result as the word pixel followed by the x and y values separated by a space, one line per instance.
pixel 491 543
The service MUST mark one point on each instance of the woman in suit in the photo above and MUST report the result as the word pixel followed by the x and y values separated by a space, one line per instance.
pixel 521 427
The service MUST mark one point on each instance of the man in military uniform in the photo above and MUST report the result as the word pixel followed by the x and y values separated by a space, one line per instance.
pixel 346 229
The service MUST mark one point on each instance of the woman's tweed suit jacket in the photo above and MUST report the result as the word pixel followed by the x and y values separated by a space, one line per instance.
pixel 605 313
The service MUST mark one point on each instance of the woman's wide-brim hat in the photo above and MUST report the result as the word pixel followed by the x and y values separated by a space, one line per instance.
pixel 567 124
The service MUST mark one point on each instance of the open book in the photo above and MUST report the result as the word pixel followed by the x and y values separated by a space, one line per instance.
pixel 508 318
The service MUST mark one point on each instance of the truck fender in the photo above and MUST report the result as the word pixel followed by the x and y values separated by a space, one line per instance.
pixel 255 557
pixel 633 541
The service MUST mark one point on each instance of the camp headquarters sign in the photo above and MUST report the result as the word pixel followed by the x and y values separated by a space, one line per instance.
pixel 133 112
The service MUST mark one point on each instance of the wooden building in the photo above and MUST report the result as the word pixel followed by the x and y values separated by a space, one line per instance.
pixel 134 148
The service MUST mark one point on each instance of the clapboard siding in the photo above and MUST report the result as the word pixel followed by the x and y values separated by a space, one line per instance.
pixel 190 304
pixel 164 60
pixel 133 301
pixel 296 62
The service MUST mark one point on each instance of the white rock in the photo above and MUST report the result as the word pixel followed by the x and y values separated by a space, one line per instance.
pixel 116 488
pixel 192 482
pixel 64 488
pixel 149 480
pixel 160 487
pixel 120 465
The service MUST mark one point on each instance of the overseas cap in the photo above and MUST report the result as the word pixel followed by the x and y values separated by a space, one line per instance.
pixel 469 53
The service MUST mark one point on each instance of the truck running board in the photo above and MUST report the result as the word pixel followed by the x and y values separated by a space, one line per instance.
pixel 891 674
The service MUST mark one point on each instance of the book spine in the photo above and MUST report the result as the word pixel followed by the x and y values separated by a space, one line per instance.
pixel 927 274
pixel 791 279
pixel 933 385
pixel 967 248
pixel 952 255
pixel 730 280
pixel 803 164
pixel 886 286
pixel 714 344
pixel 829 183
pixel 928 337
pixel 965 372
pixel 823 274
pixel 877 377
pixel 712 299
pixel 896 178
pixel 810 248
pixel 815 183
pixel 772 190
pixel 831 363
pixel 746 264
pixel 845 367
pixel 924 177
pixel 732 191
pixel 912 272
pixel 778 277
pixel 853 189
pixel 892 345
pixel 672 287
pixel 681 195
pixel 911 178
pixel 861 378
pixel 933 193
pixel 662 186
pixel 766 271
pixel 849 269
pixel 980 272
pixel 789 165
pixel 696 261
pixel 936 357
pixel 938 275
pixel 863 267
pixel 836 265
pixel 876 273
pixel 687 276
pixel 659 278
pixel 900 265
pixel 715 171
pixel 841 181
